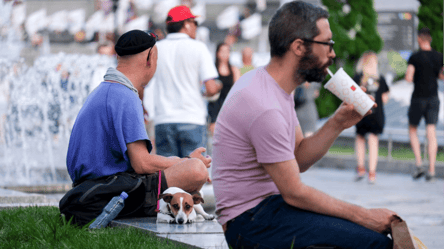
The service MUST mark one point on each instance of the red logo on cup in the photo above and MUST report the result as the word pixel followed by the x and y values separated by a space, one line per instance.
pixel 353 88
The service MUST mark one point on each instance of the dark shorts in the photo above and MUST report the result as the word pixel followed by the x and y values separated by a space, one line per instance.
pixel 275 224
pixel 370 124
pixel 423 107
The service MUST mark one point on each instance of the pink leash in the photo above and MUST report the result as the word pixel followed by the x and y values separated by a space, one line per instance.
pixel 158 191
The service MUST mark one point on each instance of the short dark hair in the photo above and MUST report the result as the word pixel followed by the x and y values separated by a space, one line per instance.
pixel 425 34
pixel 294 20
pixel 174 27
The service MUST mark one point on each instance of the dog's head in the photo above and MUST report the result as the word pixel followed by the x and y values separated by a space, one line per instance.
pixel 181 205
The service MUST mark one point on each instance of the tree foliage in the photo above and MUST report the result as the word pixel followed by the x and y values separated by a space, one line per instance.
pixel 354 27
pixel 430 15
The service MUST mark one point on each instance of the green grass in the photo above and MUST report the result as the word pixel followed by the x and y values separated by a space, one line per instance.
pixel 397 154
pixel 42 227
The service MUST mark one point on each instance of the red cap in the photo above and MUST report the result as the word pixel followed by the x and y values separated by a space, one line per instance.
pixel 180 13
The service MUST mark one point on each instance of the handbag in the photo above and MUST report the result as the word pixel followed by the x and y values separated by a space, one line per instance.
pixel 403 237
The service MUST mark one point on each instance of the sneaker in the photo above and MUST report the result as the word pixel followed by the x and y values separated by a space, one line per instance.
pixel 360 173
pixel 419 171
pixel 372 177
pixel 429 177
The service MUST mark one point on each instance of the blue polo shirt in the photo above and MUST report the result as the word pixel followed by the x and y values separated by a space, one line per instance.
pixel 111 117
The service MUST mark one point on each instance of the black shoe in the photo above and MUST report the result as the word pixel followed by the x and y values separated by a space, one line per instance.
pixel 419 171
pixel 360 173
pixel 429 177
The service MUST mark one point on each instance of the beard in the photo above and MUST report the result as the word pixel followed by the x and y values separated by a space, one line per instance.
pixel 310 69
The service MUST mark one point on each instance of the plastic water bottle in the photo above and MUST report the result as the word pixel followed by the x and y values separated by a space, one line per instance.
pixel 110 211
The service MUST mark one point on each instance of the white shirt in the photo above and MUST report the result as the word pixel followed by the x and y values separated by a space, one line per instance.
pixel 183 64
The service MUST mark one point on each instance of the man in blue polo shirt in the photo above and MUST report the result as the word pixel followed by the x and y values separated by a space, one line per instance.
pixel 109 135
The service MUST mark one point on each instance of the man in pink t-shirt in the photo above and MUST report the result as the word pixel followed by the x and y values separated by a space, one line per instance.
pixel 259 149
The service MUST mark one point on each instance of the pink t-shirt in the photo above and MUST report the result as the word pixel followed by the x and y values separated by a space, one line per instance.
pixel 257 124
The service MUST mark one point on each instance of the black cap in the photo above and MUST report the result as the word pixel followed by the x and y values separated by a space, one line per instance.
pixel 134 42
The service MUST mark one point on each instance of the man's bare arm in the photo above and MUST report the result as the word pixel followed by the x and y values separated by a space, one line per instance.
pixel 441 74
pixel 212 87
pixel 309 150
pixel 409 73
pixel 286 177
pixel 145 163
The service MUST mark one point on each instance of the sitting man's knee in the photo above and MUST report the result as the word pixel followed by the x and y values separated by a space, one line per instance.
pixel 199 170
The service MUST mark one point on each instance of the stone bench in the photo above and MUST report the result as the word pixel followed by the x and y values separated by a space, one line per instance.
pixel 207 234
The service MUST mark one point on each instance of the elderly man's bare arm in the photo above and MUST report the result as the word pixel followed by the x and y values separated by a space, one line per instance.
pixel 146 163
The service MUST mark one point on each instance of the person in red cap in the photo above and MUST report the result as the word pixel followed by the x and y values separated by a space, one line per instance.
pixel 185 68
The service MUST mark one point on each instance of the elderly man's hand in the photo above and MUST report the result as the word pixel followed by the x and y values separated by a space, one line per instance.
pixel 197 153
pixel 346 116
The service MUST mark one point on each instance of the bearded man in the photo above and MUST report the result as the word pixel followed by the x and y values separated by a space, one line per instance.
pixel 259 150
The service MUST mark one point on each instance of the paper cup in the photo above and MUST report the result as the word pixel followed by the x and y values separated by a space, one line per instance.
pixel 348 91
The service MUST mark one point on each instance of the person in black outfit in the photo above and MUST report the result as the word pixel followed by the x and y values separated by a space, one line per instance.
pixel 424 67
pixel 228 74
pixel 368 76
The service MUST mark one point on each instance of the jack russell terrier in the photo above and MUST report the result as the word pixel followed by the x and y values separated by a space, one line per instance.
pixel 178 206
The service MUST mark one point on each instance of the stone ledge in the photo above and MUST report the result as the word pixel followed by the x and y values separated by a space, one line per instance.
pixel 207 234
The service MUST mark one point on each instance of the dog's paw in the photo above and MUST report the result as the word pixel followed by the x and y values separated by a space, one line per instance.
pixel 190 221
pixel 209 217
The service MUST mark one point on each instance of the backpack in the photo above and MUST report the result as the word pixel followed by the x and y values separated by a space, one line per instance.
pixel 86 201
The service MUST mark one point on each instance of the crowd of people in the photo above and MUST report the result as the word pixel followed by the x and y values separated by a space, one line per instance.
pixel 260 145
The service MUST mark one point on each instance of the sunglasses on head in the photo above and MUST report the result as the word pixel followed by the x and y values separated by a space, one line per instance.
pixel 329 43
pixel 152 34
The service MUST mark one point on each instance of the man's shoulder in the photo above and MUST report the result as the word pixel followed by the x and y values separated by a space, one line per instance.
pixel 118 93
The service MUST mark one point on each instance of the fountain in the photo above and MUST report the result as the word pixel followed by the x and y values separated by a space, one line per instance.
pixel 38 107
pixel 44 100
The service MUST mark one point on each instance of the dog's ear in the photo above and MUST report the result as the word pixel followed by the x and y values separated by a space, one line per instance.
pixel 197 199
pixel 166 197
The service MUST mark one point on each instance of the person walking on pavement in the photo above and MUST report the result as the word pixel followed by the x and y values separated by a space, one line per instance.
pixel 259 149
pixel 424 67
pixel 367 75
pixel 184 64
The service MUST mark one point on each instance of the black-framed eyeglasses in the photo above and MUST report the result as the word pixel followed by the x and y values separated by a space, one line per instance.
pixel 329 43
pixel 152 34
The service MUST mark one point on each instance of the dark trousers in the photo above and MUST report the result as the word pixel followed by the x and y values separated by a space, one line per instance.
pixel 275 224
